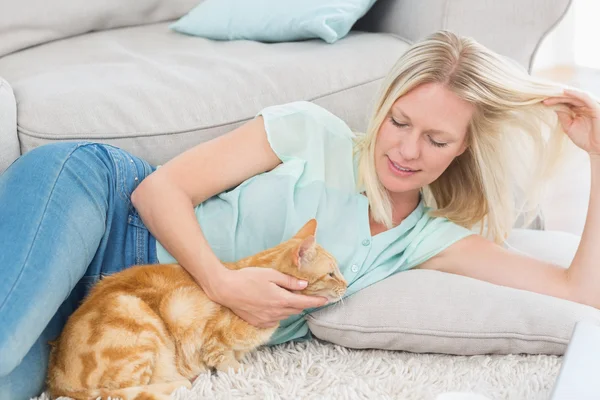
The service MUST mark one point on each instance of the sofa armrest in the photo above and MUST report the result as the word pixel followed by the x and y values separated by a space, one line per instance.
pixel 9 141
pixel 513 28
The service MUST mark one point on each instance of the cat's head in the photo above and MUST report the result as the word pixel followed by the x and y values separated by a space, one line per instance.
pixel 306 260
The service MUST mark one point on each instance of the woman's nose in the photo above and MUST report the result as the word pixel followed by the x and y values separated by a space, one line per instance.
pixel 409 147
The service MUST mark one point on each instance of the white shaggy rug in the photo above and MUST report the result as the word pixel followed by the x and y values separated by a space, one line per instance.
pixel 319 370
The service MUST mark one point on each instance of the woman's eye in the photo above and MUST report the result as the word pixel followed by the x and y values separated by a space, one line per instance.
pixel 401 125
pixel 398 124
pixel 437 144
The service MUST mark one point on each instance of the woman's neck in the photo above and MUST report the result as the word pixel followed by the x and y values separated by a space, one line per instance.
pixel 403 204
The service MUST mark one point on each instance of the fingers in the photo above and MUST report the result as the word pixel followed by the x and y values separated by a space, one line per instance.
pixel 565 120
pixel 583 97
pixel 579 101
pixel 302 302
pixel 287 281
pixel 563 99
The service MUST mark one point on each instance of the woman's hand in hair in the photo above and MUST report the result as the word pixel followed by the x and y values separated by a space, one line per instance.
pixel 582 124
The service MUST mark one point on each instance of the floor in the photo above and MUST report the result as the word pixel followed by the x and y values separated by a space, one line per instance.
pixel 565 205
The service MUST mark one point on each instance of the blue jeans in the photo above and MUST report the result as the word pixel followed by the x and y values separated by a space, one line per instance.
pixel 66 220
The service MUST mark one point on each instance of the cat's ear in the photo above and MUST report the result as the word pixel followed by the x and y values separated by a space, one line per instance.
pixel 309 229
pixel 305 252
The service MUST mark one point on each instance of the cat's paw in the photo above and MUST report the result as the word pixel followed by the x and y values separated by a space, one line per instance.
pixel 227 364
pixel 201 368
pixel 185 383
pixel 239 355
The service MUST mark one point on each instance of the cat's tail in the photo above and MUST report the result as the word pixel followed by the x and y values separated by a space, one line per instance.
pixel 157 391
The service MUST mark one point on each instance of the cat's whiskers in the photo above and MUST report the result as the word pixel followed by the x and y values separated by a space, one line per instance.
pixel 338 302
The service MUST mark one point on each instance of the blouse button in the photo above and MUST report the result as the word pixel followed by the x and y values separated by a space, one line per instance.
pixel 366 242
pixel 354 268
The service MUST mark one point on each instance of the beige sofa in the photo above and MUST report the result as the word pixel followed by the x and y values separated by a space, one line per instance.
pixel 111 71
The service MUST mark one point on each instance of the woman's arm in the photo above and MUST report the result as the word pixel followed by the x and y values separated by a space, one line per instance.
pixel 584 272
pixel 482 259
pixel 479 258
pixel 166 199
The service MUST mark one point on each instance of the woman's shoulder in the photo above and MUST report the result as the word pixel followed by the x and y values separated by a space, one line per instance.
pixel 305 131
pixel 432 234
pixel 305 113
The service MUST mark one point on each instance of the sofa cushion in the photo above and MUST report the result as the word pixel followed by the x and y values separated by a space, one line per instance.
pixel 426 311
pixel 157 93
pixel 25 23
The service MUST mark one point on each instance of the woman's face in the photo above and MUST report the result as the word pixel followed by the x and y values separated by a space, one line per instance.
pixel 424 131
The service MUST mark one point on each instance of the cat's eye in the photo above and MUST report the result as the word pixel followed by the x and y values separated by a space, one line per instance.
pixel 332 274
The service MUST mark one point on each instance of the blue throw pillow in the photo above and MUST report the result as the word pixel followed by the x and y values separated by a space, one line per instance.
pixel 273 20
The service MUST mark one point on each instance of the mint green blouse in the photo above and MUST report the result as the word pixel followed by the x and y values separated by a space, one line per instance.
pixel 316 179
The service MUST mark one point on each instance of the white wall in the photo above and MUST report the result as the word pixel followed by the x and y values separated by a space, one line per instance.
pixel 587 33
pixel 576 39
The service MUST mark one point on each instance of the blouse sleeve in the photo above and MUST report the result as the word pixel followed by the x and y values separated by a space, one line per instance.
pixel 437 235
pixel 307 133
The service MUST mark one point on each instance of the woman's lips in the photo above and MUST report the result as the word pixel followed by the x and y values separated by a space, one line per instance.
pixel 401 170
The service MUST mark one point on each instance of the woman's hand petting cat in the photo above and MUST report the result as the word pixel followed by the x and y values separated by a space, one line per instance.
pixel 259 295
pixel 582 123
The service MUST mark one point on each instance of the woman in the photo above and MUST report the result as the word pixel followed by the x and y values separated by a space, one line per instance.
pixel 435 161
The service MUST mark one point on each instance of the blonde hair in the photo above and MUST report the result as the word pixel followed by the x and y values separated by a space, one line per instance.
pixel 513 139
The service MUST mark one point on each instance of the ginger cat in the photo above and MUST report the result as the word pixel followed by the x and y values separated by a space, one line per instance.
pixel 147 330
